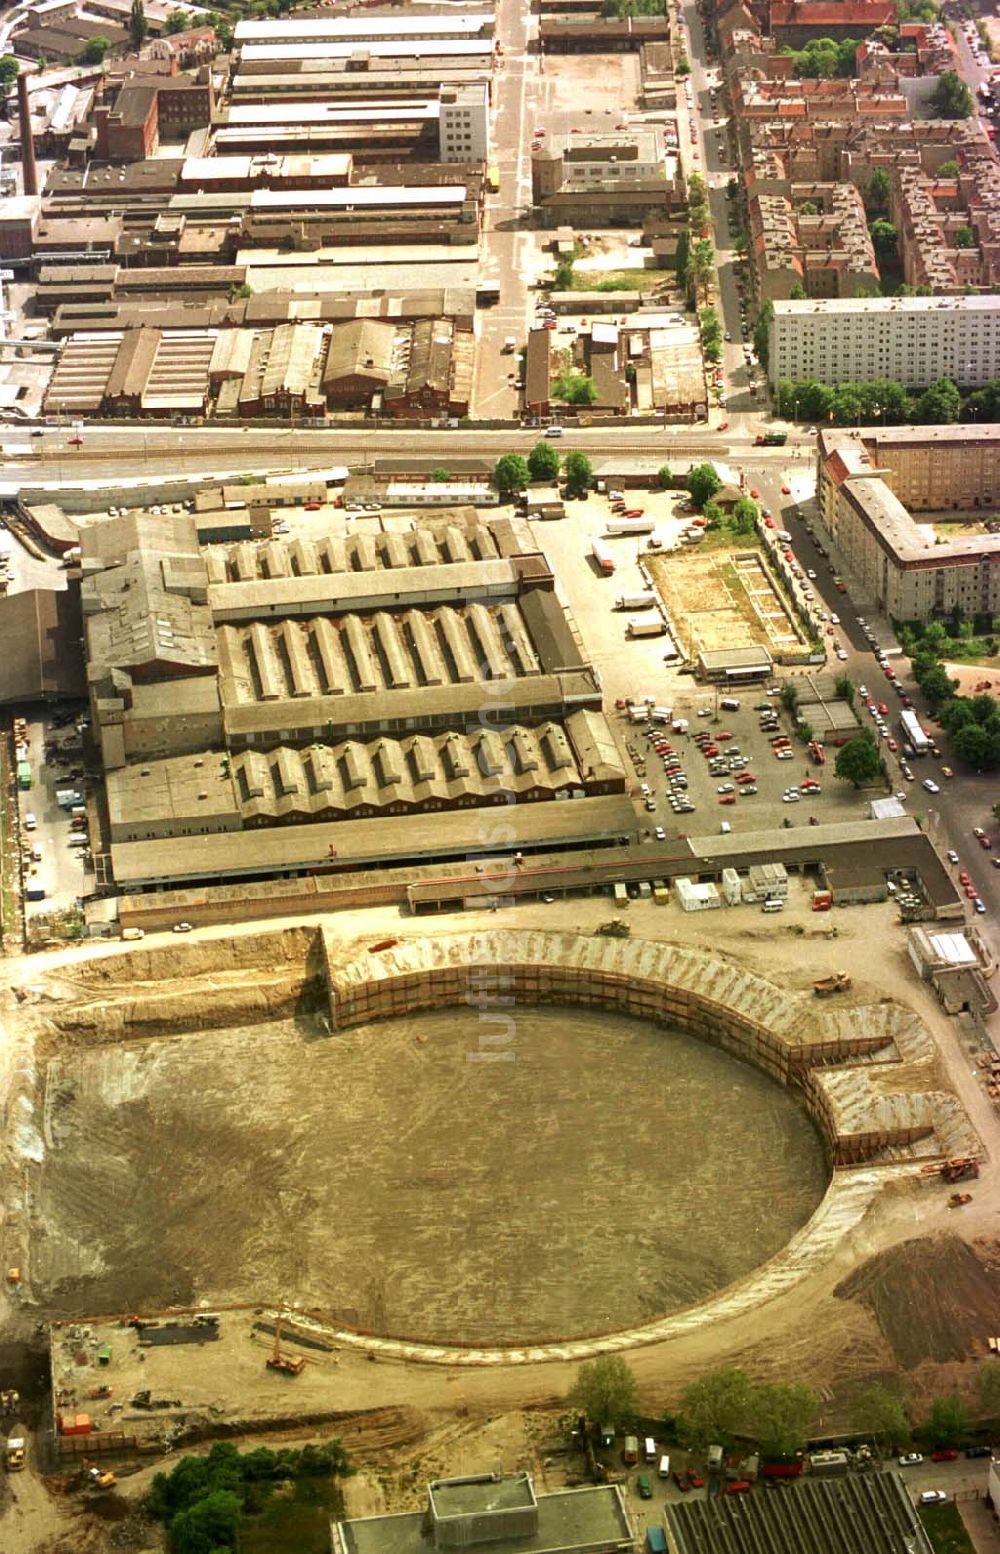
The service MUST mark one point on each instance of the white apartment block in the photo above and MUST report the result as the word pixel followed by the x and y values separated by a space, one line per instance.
pixel 912 340
pixel 465 123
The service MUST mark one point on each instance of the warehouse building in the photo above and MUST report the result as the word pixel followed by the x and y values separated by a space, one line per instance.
pixel 313 687
pixel 863 1513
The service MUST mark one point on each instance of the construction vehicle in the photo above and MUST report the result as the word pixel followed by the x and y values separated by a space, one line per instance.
pixel 617 928
pixel 958 1200
pixel 287 1364
pixel 961 1169
pixel 17 1445
pixel 100 1478
pixel 836 982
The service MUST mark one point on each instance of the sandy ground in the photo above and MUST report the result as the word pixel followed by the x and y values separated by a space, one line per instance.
pixel 821 1331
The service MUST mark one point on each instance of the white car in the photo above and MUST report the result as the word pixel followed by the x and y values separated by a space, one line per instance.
pixel 933 1497
pixel 29 822
pixel 811 575
pixel 834 620
pixel 952 855
pixel 660 834
pixel 931 785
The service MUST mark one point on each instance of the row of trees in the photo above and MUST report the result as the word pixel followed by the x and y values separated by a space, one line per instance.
pixel 726 1407
pixel 711 334
pixel 513 472
pixel 853 404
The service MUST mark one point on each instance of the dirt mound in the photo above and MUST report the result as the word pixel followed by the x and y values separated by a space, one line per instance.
pixel 934 1299
pixel 196 958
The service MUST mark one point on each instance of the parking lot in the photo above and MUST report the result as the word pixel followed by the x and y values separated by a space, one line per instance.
pixel 49 859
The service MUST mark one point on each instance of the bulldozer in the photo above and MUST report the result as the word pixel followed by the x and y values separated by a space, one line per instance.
pixel 836 982
pixel 616 928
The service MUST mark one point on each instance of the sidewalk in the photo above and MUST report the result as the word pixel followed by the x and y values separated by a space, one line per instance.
pixel 980 1525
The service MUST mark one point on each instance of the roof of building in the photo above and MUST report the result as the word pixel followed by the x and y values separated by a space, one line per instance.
pixel 314 29
pixel 41 628
pixel 870 1513
pixel 567 1520
pixel 885 307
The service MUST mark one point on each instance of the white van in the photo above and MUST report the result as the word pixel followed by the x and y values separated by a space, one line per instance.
pixel 649 1452
pixel 773 904
pixel 729 703
pixel 133 933
pixel 663 1471
pixel 553 431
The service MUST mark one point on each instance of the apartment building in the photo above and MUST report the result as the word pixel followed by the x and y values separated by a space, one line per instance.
pixel 912 340
pixel 891 500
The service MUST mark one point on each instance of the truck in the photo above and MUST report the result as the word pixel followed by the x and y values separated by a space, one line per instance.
pixel 913 734
pixel 770 439
pixel 602 555
pixel 68 798
pixel 817 752
pixel 656 1540
pixel 641 601
pixel 17 1446
pixel 829 1463
pixel 24 774
pixel 619 526
pixel 639 626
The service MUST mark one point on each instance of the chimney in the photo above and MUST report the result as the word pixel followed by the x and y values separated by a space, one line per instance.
pixel 29 169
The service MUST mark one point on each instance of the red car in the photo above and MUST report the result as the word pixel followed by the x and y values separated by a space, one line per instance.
pixel 769 522
pixel 723 426
pixel 986 842
pixel 76 442
pixel 634 512
pixel 694 1479
pixel 971 892
pixel 723 733
pixel 892 745
pixel 889 672
pixel 786 490
pixel 745 777
pixel 883 708
pixel 739 1486
pixel 944 1454
pixel 728 798
pixel 312 507
pixel 754 494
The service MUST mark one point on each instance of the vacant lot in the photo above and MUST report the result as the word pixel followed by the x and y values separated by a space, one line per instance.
pixel 723 598
pixel 612 1171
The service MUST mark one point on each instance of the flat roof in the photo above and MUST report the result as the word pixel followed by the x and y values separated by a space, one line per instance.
pixel 358 196
pixel 401 48
pixel 569 1519
pixel 883 307
pixel 395 587
pixel 292 113
pixel 315 29
pixel 383 839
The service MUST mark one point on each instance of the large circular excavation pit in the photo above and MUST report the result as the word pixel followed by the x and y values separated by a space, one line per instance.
pixel 598 1172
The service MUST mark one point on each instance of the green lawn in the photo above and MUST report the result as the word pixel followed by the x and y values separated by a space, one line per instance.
pixel 620 280
pixel 296 1517
pixel 8 842
pixel 946 1529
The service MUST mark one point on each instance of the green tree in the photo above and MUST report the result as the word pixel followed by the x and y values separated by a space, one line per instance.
pixel 702 264
pixel 511 474
pixel 683 66
pixel 951 98
pixel 948 1422
pixel 858 761
pixel 882 1413
pixel 965 238
pixel 713 1409
pixel 95 49
pixel 948 169
pixel 702 481
pixel 780 1417
pixel 761 341
pixel 543 461
pixel 808 208
pixel 138 27
pixel 844 687
pixel 885 239
pixel 988 1377
pixel 713 515
pixel 579 472
pixel 440 474
pixel 9 71
pixel 210 1525
pixel 605 1391
pixel 789 696
pixel 940 404
pixel 878 190
pixel 177 21
pixel 575 388
pixel 975 745
pixel 664 477
pixel 744 515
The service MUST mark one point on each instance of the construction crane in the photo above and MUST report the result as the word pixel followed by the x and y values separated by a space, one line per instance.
pixel 287 1364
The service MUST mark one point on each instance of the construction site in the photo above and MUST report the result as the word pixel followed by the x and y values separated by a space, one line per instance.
pixel 239 1206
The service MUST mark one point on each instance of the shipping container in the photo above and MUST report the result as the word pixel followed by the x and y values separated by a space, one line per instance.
pixel 623 525
pixel 640 601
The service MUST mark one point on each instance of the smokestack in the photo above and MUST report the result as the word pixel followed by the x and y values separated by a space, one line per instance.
pixel 28 165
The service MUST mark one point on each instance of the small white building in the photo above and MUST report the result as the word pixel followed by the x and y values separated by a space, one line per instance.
pixel 766 882
pixel 732 887
pixel 696 897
